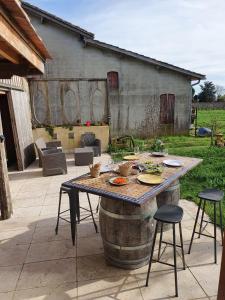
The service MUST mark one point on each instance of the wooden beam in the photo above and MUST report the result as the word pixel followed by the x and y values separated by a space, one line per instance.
pixel 7 70
pixel 9 35
pixel 9 54
pixel 221 290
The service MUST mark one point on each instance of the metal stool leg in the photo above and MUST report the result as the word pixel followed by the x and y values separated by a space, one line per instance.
pixel 59 207
pixel 160 240
pixel 95 225
pixel 196 219
pixel 182 245
pixel 97 208
pixel 221 222
pixel 203 211
pixel 151 256
pixel 175 260
pixel 215 250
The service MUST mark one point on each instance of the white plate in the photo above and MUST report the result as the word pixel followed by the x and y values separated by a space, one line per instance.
pixel 172 163
pixel 159 154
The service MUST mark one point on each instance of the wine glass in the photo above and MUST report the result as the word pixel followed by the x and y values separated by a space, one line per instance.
pixel 110 164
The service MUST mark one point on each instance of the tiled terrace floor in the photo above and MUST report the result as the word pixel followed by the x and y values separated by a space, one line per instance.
pixel 36 264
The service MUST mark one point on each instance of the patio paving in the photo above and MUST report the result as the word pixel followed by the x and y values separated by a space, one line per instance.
pixel 37 264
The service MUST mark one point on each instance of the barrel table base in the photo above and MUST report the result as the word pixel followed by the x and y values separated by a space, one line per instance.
pixel 170 196
pixel 127 232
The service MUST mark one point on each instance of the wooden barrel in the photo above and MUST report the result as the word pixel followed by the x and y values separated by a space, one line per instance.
pixel 170 196
pixel 127 232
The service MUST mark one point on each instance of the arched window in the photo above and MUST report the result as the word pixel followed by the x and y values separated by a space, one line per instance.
pixel 113 80
pixel 167 105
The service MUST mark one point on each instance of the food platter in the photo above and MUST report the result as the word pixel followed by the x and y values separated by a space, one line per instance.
pixel 172 163
pixel 131 157
pixel 150 179
pixel 119 181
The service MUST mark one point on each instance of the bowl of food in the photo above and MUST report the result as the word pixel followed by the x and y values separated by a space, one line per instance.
pixel 119 181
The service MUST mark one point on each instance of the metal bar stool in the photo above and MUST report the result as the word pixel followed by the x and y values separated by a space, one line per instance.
pixel 65 190
pixel 214 196
pixel 170 214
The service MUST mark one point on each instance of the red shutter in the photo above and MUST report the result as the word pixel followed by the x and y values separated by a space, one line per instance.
pixel 113 80
pixel 167 105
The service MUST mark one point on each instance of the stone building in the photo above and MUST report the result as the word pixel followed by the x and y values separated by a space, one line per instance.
pixel 91 80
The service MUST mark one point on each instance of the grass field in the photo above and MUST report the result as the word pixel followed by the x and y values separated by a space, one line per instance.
pixel 206 117
pixel 211 173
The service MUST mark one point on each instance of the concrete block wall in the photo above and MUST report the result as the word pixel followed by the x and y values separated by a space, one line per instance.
pixel 136 108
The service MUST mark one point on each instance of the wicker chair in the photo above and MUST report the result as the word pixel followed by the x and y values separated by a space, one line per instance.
pixel 53 162
pixel 41 145
pixel 51 157
pixel 88 140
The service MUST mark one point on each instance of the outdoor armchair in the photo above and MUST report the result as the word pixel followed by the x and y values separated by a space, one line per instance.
pixel 41 145
pixel 53 162
pixel 88 140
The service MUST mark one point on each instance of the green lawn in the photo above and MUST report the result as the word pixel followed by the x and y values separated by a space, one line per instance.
pixel 207 117
pixel 211 173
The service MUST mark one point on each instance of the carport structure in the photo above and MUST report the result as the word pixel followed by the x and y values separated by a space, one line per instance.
pixel 22 53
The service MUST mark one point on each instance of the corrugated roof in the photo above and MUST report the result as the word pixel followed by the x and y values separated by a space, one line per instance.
pixel 40 12
pixel 20 17
pixel 147 59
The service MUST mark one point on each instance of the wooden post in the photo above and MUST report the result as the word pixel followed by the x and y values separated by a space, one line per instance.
pixel 5 197
pixel 221 290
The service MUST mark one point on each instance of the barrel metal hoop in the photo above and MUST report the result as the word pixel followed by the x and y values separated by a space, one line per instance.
pixel 127 217
pixel 128 262
pixel 126 248
pixel 172 188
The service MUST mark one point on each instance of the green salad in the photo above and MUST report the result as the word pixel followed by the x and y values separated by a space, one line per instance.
pixel 153 169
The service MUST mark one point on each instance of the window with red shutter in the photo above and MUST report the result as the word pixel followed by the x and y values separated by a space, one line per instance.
pixel 167 105
pixel 113 80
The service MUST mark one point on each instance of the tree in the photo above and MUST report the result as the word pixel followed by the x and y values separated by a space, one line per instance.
pixel 208 92
pixel 220 90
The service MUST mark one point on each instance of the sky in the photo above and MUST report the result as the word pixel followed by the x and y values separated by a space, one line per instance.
pixel 186 33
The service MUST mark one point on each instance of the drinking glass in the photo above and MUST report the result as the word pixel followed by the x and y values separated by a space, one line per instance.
pixel 165 151
pixel 136 150
pixel 111 163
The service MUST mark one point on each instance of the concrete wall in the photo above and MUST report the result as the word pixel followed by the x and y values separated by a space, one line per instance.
pixel 135 107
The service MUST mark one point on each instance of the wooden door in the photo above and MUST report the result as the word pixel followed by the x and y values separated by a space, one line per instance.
pixel 5 197
pixel 167 106
pixel 8 131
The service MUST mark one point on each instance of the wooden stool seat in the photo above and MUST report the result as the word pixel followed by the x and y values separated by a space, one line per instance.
pixel 169 214
pixel 211 195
